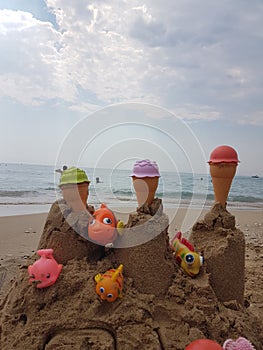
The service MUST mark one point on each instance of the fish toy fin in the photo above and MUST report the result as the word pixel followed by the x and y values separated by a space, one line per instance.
pixel 185 242
pixel 120 227
pixel 97 278
pixel 178 235
pixel 116 273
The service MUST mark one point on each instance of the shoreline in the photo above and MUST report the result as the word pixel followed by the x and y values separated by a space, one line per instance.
pixel 28 209
pixel 20 233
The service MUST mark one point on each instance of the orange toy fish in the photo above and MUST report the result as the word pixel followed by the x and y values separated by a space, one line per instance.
pixel 103 226
pixel 109 284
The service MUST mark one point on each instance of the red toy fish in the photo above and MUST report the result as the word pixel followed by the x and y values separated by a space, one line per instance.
pixel 102 228
pixel 45 271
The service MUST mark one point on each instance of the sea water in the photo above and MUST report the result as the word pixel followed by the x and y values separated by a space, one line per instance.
pixel 28 188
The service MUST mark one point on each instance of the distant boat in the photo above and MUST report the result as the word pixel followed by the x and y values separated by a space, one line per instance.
pixel 255 177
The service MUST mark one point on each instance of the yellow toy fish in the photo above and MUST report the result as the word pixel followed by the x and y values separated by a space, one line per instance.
pixel 186 257
pixel 109 284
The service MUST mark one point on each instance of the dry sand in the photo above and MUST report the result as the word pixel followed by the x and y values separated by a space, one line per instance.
pixel 189 306
pixel 20 234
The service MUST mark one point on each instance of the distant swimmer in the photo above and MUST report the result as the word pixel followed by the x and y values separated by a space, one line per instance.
pixel 61 170
pixel 98 180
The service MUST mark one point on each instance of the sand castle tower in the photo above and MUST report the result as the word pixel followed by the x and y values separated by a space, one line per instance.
pixel 222 244
pixel 66 227
pixel 144 246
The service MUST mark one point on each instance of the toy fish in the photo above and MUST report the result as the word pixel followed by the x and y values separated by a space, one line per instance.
pixel 109 285
pixel 187 258
pixel 45 271
pixel 103 227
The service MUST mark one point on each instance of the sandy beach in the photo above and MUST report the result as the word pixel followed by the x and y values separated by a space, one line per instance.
pixel 19 236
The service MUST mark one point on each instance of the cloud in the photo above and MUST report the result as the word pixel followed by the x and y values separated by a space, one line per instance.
pixel 196 58
pixel 29 65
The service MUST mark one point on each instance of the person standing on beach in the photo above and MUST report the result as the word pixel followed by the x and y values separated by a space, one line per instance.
pixel 61 170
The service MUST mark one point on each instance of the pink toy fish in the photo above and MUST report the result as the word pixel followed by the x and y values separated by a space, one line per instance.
pixel 45 271
pixel 240 344
pixel 102 228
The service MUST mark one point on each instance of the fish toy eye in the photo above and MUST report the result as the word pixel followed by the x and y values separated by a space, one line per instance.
pixel 48 275
pixel 102 290
pixel 109 295
pixel 189 258
pixel 107 221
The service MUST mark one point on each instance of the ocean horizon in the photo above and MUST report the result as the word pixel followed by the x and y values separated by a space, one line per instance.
pixel 30 188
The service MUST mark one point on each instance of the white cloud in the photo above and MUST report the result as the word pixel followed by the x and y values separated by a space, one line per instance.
pixel 30 61
pixel 201 59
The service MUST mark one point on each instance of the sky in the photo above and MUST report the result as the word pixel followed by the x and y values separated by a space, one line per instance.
pixel 102 83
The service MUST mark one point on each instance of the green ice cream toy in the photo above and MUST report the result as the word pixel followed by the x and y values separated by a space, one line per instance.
pixel 74 185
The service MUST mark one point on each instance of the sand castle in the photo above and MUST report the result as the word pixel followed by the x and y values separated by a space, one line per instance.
pixel 223 245
pixel 161 308
pixel 144 246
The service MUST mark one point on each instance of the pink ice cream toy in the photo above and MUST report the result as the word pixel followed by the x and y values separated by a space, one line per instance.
pixel 145 168
pixel 240 344
pixel 45 271
pixel 145 176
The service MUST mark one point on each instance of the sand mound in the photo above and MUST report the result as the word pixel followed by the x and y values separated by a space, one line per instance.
pixel 224 249
pixel 69 315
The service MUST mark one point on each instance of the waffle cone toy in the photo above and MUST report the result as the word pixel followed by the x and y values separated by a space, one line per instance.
pixel 74 185
pixel 145 189
pixel 145 178
pixel 76 196
pixel 223 163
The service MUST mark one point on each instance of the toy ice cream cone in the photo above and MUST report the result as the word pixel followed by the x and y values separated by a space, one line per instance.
pixel 223 163
pixel 222 175
pixel 240 344
pixel 74 184
pixel 204 344
pixel 145 178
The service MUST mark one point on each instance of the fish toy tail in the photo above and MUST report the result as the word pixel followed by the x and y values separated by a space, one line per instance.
pixel 46 253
